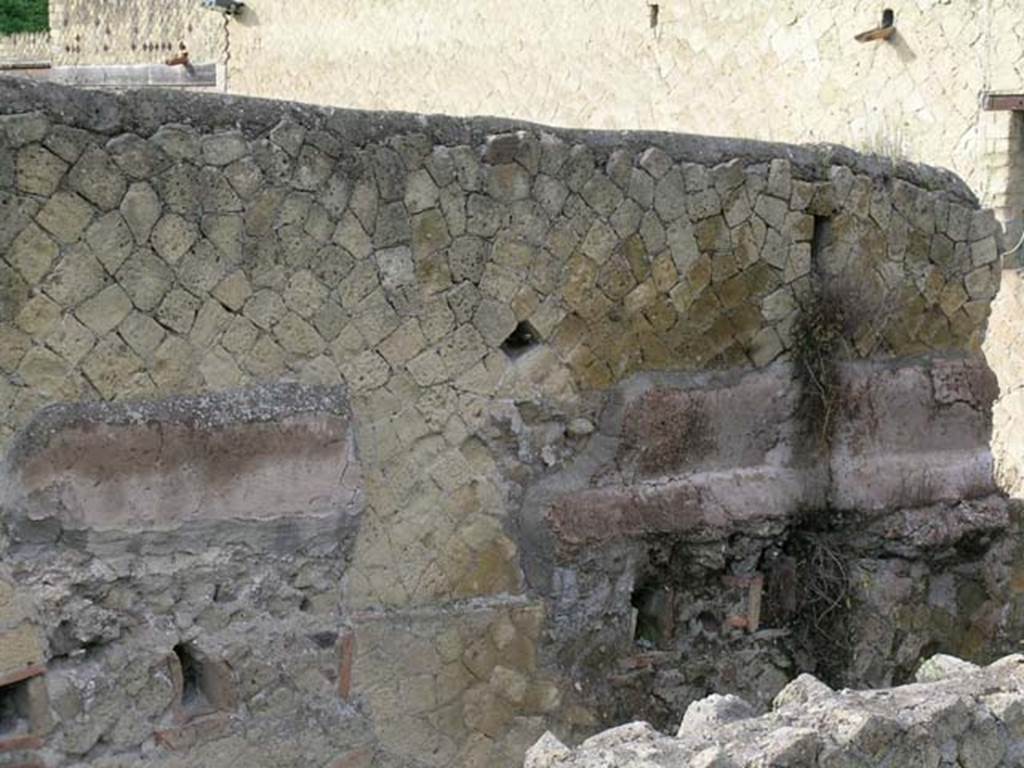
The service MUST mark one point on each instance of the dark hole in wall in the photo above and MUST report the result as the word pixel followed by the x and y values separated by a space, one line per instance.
pixel 521 340
pixel 930 649
pixel 654 609
pixel 324 640
pixel 15 713
pixel 653 11
pixel 888 17
pixel 193 697
pixel 973 545
pixel 207 683
pixel 820 240
pixel 679 639
pixel 708 622
pixel 62 640
pixel 65 642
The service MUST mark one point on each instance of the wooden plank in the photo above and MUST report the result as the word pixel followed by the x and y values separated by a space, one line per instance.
pixel 132 76
pixel 754 603
pixel 1003 102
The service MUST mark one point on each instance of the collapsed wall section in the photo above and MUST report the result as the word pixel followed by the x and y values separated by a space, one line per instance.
pixel 353 438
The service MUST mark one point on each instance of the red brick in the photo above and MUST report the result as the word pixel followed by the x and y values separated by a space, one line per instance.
pixel 22 741
pixel 360 758
pixel 346 653
pixel 22 674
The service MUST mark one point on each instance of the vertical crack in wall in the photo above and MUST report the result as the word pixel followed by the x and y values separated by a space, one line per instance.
pixel 817 339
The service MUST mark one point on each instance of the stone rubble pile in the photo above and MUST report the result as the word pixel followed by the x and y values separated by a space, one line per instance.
pixel 955 714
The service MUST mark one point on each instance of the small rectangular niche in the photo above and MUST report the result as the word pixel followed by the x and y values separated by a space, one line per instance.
pixel 523 338
pixel 15 711
pixel 206 684
pixel 653 615
pixel 821 241
pixel 23 711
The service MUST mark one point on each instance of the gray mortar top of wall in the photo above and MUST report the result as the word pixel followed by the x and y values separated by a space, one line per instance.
pixel 258 404
pixel 144 111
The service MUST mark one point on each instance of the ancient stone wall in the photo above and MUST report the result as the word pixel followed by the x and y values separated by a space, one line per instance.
pixel 679 65
pixel 347 439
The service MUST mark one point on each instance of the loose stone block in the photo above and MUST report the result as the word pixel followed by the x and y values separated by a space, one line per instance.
pixel 494 320
pixel 312 441
pixel 655 162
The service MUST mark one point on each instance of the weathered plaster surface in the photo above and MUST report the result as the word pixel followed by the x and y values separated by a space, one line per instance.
pixel 106 467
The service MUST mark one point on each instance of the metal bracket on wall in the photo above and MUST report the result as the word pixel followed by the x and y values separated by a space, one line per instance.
pixel 1002 102
pixel 883 31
